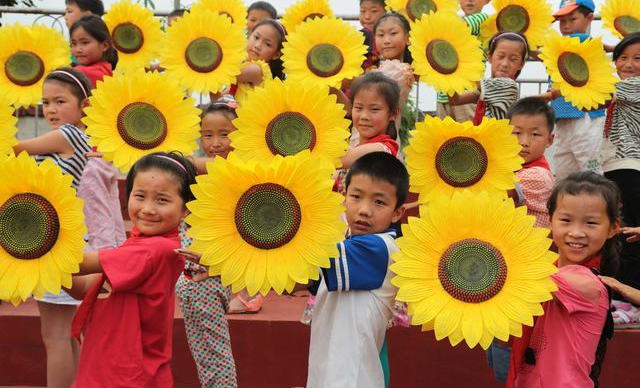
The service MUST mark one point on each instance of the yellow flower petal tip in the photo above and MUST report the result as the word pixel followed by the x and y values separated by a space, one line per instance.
pixel 8 128
pixel 303 10
pixel 260 227
pixel 235 10
pixel 415 9
pixel 580 70
pixel 531 18
pixel 472 268
pixel 28 54
pixel 444 157
pixel 138 113
pixel 41 228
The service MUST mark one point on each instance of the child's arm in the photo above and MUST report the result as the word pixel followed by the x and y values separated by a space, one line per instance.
pixel 464 98
pixel 629 293
pixel 549 96
pixel 633 234
pixel 359 151
pixel 200 164
pixel 90 264
pixel 250 74
pixel 49 143
pixel 81 285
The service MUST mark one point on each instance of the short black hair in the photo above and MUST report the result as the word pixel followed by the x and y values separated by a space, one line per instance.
pixel 532 106
pixel 263 6
pixel 624 43
pixel 584 10
pixel 94 6
pixel 379 2
pixel 384 167
pixel 177 13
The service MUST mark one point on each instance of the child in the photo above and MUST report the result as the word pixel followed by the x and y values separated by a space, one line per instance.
pixel 203 300
pixel 355 298
pixel 578 133
pixel 259 11
pixel 508 52
pixel 65 92
pixel 91 46
pixel 474 17
pixel 567 344
pixel 175 15
pixel 621 147
pixel 128 334
pixel 76 8
pixel 533 122
pixel 370 12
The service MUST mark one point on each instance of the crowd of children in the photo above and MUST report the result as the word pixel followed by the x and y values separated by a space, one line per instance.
pixel 595 168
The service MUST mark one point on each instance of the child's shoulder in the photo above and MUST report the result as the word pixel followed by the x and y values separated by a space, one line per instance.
pixel 580 279
pixel 377 242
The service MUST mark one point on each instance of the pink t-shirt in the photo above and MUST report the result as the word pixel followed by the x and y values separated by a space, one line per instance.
pixel 565 338
pixel 128 337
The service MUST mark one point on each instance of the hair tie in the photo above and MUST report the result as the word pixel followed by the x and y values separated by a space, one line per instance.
pixel 280 27
pixel 174 161
pixel 73 77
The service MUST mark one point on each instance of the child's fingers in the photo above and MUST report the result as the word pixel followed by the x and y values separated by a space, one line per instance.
pixel 189 255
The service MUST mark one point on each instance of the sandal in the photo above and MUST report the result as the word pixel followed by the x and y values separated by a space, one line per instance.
pixel 250 306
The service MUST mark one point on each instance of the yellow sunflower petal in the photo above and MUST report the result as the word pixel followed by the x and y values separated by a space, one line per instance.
pixel 41 242
pixel 135 33
pixel 310 53
pixel 138 113
pixel 235 10
pixel 581 71
pixel 415 9
pixel 303 10
pixel 621 17
pixel 482 288
pixel 531 18
pixel 445 54
pixel 7 128
pixel 27 55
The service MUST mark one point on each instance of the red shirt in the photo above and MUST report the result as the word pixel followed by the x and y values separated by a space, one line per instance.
pixel 95 72
pixel 128 336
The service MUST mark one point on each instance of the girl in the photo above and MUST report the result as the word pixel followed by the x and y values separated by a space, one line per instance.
pixel 91 46
pixel 264 49
pixel 508 52
pixel 621 147
pixel 203 300
pixel 65 92
pixel 567 344
pixel 127 340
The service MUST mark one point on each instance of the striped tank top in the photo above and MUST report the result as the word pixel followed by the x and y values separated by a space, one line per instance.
pixel 73 165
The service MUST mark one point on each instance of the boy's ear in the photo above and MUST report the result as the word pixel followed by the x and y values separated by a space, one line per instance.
pixel 552 137
pixel 397 214
pixel 590 17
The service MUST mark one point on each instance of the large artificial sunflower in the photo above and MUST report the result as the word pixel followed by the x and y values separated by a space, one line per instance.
pixel 581 71
pixel 139 113
pixel 266 225
pixel 41 228
pixel 531 18
pixel 285 118
pixel 444 157
pixel 27 55
pixel 7 128
pixel 474 267
pixel 621 17
pixel 303 10
pixel 415 9
pixel 236 10
pixel 204 51
pixel 310 53
pixel 135 33
pixel 445 54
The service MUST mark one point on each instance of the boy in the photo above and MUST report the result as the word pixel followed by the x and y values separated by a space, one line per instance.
pixel 175 15
pixel 578 133
pixel 259 11
pixel 76 8
pixel 474 17
pixel 355 298
pixel 532 120
pixel 370 12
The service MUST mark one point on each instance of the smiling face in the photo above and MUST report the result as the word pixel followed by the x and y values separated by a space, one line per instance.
pixel 87 49
pixel 155 205
pixel 370 12
pixel 391 39
pixel 60 106
pixel 371 205
pixel 628 63
pixel 580 227
pixel 506 59
pixel 214 134
pixel 263 43
pixel 371 114
pixel 533 134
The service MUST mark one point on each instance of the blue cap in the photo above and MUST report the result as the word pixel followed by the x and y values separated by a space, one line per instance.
pixel 568 6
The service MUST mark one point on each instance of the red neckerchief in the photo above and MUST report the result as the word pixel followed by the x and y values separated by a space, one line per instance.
pixel 79 323
pixel 387 141
pixel 481 106
pixel 542 162
pixel 609 120
pixel 520 345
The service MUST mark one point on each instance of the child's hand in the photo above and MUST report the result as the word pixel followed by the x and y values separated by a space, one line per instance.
pixel 629 293
pixel 200 276
pixel 193 257
pixel 633 234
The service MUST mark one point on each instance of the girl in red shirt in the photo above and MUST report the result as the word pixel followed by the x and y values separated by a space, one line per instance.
pixel 91 46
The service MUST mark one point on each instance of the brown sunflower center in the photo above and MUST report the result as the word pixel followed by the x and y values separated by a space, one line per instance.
pixel 417 8
pixel 24 68
pixel 573 69
pixel 289 133
pixel 203 55
pixel 325 60
pixel 442 56
pixel 312 16
pixel 267 216
pixel 142 125
pixel 127 38
pixel 461 161
pixel 227 14
pixel 513 18
pixel 472 270
pixel 627 24
pixel 29 226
